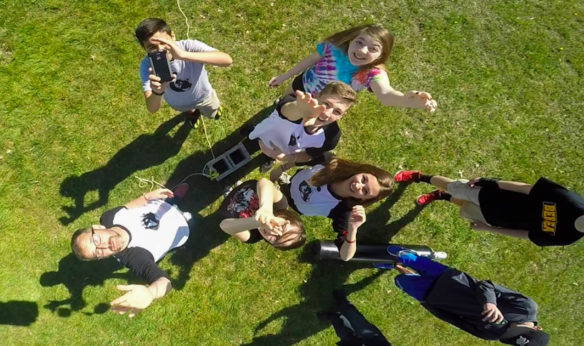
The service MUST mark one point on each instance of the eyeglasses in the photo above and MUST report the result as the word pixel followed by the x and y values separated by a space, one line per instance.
pixel 95 239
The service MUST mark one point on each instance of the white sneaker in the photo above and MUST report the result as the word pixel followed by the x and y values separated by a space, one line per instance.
pixel 188 216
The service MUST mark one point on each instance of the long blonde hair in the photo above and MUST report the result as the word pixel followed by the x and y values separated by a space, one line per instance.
pixel 340 169
pixel 377 32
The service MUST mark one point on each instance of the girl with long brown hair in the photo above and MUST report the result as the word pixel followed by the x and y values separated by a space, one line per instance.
pixel 339 190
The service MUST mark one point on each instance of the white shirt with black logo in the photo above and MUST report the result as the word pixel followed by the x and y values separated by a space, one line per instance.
pixel 191 85
pixel 157 227
pixel 311 200
pixel 290 137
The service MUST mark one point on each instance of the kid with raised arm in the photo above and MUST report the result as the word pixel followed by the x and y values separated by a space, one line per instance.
pixel 545 213
pixel 302 128
pixel 256 211
pixel 190 91
pixel 355 56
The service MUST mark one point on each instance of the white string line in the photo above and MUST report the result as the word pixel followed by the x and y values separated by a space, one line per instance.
pixel 201 116
pixel 144 182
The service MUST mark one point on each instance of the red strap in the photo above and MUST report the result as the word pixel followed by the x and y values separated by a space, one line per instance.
pixel 345 232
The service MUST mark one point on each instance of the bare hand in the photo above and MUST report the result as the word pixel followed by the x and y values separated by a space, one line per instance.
pixel 155 83
pixel 272 150
pixel 357 217
pixel 307 105
pixel 422 99
pixel 136 299
pixel 268 220
pixel 159 194
pixel 491 313
pixel 472 182
pixel 278 226
pixel 171 46
pixel 276 81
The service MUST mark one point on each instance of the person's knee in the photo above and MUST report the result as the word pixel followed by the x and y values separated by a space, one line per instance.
pixel 399 280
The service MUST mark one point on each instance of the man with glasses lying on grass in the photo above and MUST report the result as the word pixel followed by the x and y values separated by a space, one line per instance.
pixel 138 235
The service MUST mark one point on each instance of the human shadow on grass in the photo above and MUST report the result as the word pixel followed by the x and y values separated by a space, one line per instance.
pixel 300 321
pixel 18 313
pixel 205 234
pixel 75 275
pixel 145 151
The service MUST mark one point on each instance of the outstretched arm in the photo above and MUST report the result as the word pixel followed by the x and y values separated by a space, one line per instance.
pixel 388 96
pixel 300 67
pixel 514 186
pixel 142 200
pixel 139 297
pixel 239 228
pixel 304 107
pixel 216 58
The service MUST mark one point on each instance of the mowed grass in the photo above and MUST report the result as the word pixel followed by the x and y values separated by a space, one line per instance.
pixel 508 80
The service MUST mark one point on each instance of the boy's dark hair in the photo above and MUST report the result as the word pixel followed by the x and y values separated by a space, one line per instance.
pixel 149 27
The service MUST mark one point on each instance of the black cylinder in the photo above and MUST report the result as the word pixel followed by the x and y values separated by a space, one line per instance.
pixel 325 250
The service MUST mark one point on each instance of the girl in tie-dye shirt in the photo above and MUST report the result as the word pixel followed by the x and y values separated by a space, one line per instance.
pixel 355 56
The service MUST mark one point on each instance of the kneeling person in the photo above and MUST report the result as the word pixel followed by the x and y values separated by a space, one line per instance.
pixel 138 235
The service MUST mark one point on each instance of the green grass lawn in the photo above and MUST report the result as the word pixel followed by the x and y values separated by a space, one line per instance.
pixel 507 76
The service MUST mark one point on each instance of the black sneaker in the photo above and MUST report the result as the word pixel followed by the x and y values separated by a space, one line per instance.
pixel 219 113
pixel 193 117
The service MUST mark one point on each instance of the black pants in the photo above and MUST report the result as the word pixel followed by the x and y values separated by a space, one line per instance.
pixel 352 327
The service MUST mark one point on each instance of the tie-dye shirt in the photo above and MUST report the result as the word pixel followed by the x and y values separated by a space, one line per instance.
pixel 334 65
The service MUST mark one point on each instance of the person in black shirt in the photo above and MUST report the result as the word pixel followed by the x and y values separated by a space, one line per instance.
pixel 481 308
pixel 545 213
pixel 138 235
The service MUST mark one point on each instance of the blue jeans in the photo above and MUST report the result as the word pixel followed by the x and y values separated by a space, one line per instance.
pixel 417 285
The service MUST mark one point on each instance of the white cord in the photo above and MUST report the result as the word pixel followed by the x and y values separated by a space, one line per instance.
pixel 186 20
pixel 201 117
pixel 143 182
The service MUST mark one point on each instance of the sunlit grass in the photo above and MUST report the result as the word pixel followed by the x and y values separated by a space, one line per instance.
pixel 507 77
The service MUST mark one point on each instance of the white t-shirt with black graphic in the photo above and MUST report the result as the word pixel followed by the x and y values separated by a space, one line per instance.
pixel 318 200
pixel 191 84
pixel 154 229
pixel 292 137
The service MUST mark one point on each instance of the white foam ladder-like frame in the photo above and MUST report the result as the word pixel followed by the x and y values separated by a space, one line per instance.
pixel 227 163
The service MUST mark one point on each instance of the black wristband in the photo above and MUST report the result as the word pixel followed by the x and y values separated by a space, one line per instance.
pixel 155 93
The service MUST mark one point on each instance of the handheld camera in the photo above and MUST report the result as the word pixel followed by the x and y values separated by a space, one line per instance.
pixel 160 65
